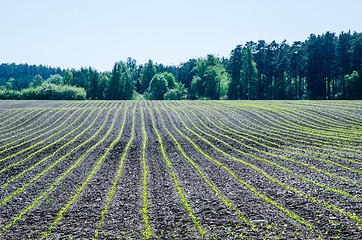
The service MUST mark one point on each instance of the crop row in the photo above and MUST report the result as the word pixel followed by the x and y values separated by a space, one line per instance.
pixel 227 170
pixel 261 123
pixel 47 169
pixel 326 187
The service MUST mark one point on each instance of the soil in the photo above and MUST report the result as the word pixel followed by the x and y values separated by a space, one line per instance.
pixel 230 170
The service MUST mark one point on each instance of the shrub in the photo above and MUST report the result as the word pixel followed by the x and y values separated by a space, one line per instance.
pixel 9 94
pixel 50 91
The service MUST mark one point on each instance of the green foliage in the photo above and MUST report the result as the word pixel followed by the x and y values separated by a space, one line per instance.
pixel 9 94
pixel 148 71
pixel 93 78
pixel 55 79
pixel 9 85
pixel 134 72
pixel 157 88
pixel 23 74
pixel 80 78
pixel 37 81
pixel 234 68
pixel 137 96
pixel 211 83
pixel 49 91
pixel 171 82
pixel 211 79
pixel 103 86
pixel 185 73
pixel 224 85
pixel 46 91
pixel 197 89
pixel 172 94
pixel 121 84
pixel 114 85
pixel 177 93
pixel 68 77
pixel 243 85
pixel 315 82
pixel 127 84
pixel 354 86
pixel 312 69
pixel 281 80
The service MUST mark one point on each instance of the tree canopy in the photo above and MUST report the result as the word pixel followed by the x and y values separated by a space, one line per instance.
pixel 327 66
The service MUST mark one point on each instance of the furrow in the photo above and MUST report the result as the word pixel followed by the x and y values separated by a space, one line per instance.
pixel 251 136
pixel 69 170
pixel 5 128
pixel 8 117
pixel 249 187
pixel 105 209
pixel 29 156
pixel 352 216
pixel 276 149
pixel 271 130
pixel 305 179
pixel 33 145
pixel 225 201
pixel 177 185
pixel 89 177
pixel 20 131
pixel 23 121
pixel 324 139
pixel 59 149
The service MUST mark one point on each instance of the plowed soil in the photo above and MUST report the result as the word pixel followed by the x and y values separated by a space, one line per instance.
pixel 180 170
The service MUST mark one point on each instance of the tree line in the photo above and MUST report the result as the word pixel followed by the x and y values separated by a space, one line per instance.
pixel 326 66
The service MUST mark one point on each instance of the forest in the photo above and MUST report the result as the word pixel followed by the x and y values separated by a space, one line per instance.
pixel 327 66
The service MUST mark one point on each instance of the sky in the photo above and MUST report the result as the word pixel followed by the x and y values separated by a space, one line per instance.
pixel 83 33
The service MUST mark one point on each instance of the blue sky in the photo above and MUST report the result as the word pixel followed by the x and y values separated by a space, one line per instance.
pixel 76 33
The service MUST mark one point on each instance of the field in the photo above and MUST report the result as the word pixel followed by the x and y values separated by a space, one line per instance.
pixel 180 170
